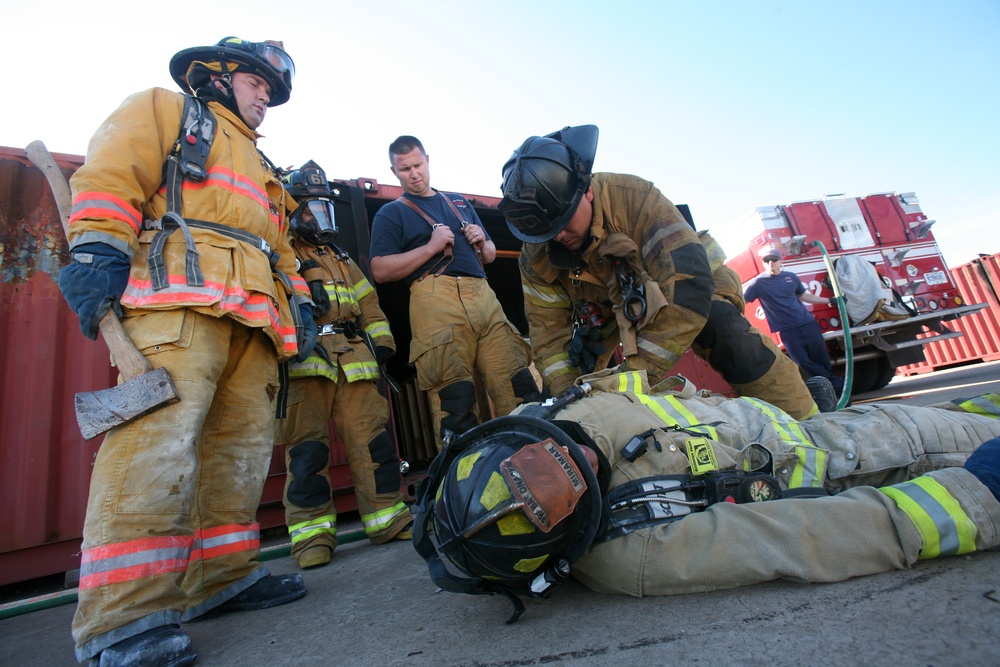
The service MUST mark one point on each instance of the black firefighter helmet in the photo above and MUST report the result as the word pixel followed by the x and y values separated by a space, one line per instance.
pixel 507 507
pixel 544 181
pixel 314 220
pixel 191 68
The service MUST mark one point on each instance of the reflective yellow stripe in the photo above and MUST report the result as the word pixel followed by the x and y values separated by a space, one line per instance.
pixel 378 328
pixel 545 296
pixel 987 405
pixel 942 523
pixel 363 288
pixel 361 370
pixel 378 521
pixel 306 529
pixel 557 364
pixel 311 367
pixel 344 294
pixel 810 469
pixel 674 413
pixel 632 381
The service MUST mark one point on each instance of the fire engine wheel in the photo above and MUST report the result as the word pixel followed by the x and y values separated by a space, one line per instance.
pixel 871 375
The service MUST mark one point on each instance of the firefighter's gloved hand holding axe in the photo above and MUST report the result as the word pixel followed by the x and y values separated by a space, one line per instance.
pixel 93 283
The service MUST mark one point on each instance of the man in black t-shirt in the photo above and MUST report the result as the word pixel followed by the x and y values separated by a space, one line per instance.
pixel 436 242
pixel 781 295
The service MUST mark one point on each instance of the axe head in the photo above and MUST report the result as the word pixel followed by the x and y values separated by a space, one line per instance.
pixel 99 411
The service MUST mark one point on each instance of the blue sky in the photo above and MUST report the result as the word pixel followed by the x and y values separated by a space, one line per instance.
pixel 724 105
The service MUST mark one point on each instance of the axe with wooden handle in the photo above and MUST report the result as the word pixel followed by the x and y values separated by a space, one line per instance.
pixel 143 389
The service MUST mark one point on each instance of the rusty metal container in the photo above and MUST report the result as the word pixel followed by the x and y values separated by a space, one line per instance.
pixel 45 464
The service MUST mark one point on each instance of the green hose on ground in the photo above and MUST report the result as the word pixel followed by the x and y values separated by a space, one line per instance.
pixel 845 395
pixel 11 609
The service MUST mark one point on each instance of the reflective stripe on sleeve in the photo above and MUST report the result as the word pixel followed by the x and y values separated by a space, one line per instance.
pixel 632 381
pixel 545 296
pixel 556 365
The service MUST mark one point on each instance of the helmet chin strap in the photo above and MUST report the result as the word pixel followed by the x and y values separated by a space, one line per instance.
pixel 223 95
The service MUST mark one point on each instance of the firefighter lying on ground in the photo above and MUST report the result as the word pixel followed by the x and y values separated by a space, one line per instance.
pixel 614 243
pixel 171 532
pixel 513 505
pixel 337 382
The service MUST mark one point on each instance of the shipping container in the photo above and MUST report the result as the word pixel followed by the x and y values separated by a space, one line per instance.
pixel 978 282
pixel 45 361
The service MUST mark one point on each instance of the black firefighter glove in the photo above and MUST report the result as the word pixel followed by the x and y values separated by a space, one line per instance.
pixel 94 282
pixel 307 333
pixel 320 297
pixel 585 348
pixel 382 354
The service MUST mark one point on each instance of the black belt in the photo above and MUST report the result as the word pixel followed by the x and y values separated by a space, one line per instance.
pixel 171 222
pixel 346 327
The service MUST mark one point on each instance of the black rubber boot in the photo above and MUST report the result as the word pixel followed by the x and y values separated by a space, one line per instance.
pixel 165 646
pixel 271 591
pixel 823 393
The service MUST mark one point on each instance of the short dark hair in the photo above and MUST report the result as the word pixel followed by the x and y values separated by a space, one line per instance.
pixel 403 145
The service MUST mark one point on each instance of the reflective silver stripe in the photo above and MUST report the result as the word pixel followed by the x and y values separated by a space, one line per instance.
pixel 382 519
pixel 942 523
pixel 810 469
pixel 307 529
pixel 546 297
pixel 987 405
pixel 144 557
pixel 246 535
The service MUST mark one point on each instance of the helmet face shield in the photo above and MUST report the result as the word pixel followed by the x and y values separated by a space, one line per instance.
pixel 526 219
pixel 544 181
pixel 271 52
pixel 314 221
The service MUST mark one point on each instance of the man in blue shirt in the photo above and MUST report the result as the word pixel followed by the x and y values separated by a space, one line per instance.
pixel 436 242
pixel 781 295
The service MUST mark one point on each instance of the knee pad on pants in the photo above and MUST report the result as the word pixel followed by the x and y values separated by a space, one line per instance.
pixel 457 401
pixel 737 353
pixel 307 487
pixel 524 386
pixel 387 476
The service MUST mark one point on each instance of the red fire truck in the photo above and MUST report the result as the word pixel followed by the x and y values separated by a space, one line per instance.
pixel 891 232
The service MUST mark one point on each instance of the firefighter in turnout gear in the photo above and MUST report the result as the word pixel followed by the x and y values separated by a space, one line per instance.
pixel 337 382
pixel 613 243
pixel 660 492
pixel 192 250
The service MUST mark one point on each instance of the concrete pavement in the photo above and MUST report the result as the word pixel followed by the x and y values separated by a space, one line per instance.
pixel 375 605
